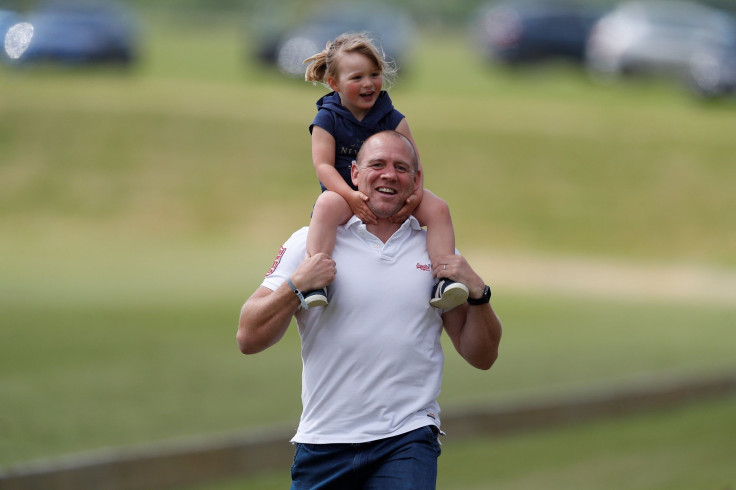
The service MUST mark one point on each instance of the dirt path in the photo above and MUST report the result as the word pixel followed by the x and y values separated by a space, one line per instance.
pixel 591 278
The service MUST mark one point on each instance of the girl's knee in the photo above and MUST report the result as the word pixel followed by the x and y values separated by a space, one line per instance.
pixel 434 205
pixel 329 197
pixel 331 205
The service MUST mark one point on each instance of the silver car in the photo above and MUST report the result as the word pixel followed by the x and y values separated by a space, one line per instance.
pixel 687 41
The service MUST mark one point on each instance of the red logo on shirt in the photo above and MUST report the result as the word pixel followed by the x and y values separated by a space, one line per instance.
pixel 276 261
pixel 423 267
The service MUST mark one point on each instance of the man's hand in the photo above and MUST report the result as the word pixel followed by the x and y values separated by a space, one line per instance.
pixel 455 267
pixel 314 272
pixel 475 331
pixel 266 315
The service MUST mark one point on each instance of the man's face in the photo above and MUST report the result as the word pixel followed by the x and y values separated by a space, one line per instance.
pixel 386 173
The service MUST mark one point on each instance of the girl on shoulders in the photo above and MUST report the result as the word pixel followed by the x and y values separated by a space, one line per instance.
pixel 354 69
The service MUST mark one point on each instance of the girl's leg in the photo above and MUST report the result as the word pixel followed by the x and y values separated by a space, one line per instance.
pixel 434 213
pixel 330 211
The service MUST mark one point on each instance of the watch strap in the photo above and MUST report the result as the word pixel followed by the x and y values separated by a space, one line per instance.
pixel 484 299
pixel 298 293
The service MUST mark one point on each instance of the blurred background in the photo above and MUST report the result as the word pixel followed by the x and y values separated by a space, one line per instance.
pixel 155 155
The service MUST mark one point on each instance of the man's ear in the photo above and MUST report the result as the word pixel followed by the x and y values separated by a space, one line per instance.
pixel 354 173
pixel 417 178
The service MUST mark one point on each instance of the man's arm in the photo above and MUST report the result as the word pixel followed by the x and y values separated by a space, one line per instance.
pixel 266 315
pixel 265 318
pixel 475 331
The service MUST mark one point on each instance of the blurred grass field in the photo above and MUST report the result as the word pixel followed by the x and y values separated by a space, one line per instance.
pixel 139 210
pixel 679 449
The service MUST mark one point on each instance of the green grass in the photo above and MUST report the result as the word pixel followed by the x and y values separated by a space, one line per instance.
pixel 678 449
pixel 675 449
pixel 95 364
pixel 138 210
pixel 552 162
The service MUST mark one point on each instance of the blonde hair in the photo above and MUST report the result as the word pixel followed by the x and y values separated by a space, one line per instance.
pixel 325 63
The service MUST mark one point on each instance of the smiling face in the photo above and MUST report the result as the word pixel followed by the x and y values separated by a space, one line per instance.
pixel 358 82
pixel 386 172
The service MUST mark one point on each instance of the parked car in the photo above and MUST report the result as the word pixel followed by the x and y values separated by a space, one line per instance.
pixel 686 41
pixel 390 27
pixel 712 72
pixel 519 32
pixel 77 33
pixel 8 18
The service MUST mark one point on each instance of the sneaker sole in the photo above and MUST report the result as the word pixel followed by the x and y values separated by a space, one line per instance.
pixel 316 300
pixel 454 295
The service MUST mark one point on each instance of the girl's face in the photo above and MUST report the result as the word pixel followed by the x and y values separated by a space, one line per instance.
pixel 358 83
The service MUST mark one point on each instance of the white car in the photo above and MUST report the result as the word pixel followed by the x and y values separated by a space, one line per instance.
pixel 7 20
pixel 679 39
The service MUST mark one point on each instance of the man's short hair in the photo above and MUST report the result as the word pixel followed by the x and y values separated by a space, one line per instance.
pixel 414 159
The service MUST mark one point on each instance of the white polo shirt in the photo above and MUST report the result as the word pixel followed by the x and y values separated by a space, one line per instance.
pixel 372 359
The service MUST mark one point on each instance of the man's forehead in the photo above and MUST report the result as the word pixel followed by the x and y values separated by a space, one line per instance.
pixel 394 140
pixel 388 148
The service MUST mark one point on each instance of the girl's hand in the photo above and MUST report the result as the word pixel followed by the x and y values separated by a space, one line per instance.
pixel 411 204
pixel 357 202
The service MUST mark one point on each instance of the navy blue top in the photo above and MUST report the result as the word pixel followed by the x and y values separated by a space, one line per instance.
pixel 349 133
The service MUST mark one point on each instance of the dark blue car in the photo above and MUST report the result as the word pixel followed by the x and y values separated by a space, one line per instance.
pixel 79 33
pixel 517 32
pixel 286 48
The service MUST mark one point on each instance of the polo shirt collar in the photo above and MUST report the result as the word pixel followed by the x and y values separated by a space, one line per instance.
pixel 356 224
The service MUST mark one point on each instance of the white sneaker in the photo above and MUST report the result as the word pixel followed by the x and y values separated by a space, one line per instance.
pixel 315 298
pixel 447 294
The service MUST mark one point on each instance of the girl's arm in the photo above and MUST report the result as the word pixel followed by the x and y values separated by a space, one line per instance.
pixel 323 158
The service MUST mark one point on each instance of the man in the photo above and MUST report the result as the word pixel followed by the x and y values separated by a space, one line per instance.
pixel 372 359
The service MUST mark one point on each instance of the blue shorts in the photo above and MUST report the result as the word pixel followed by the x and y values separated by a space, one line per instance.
pixel 404 462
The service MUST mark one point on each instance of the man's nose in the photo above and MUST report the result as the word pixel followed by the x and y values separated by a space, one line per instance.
pixel 389 172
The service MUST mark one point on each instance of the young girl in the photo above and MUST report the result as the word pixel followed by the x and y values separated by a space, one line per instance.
pixel 353 68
